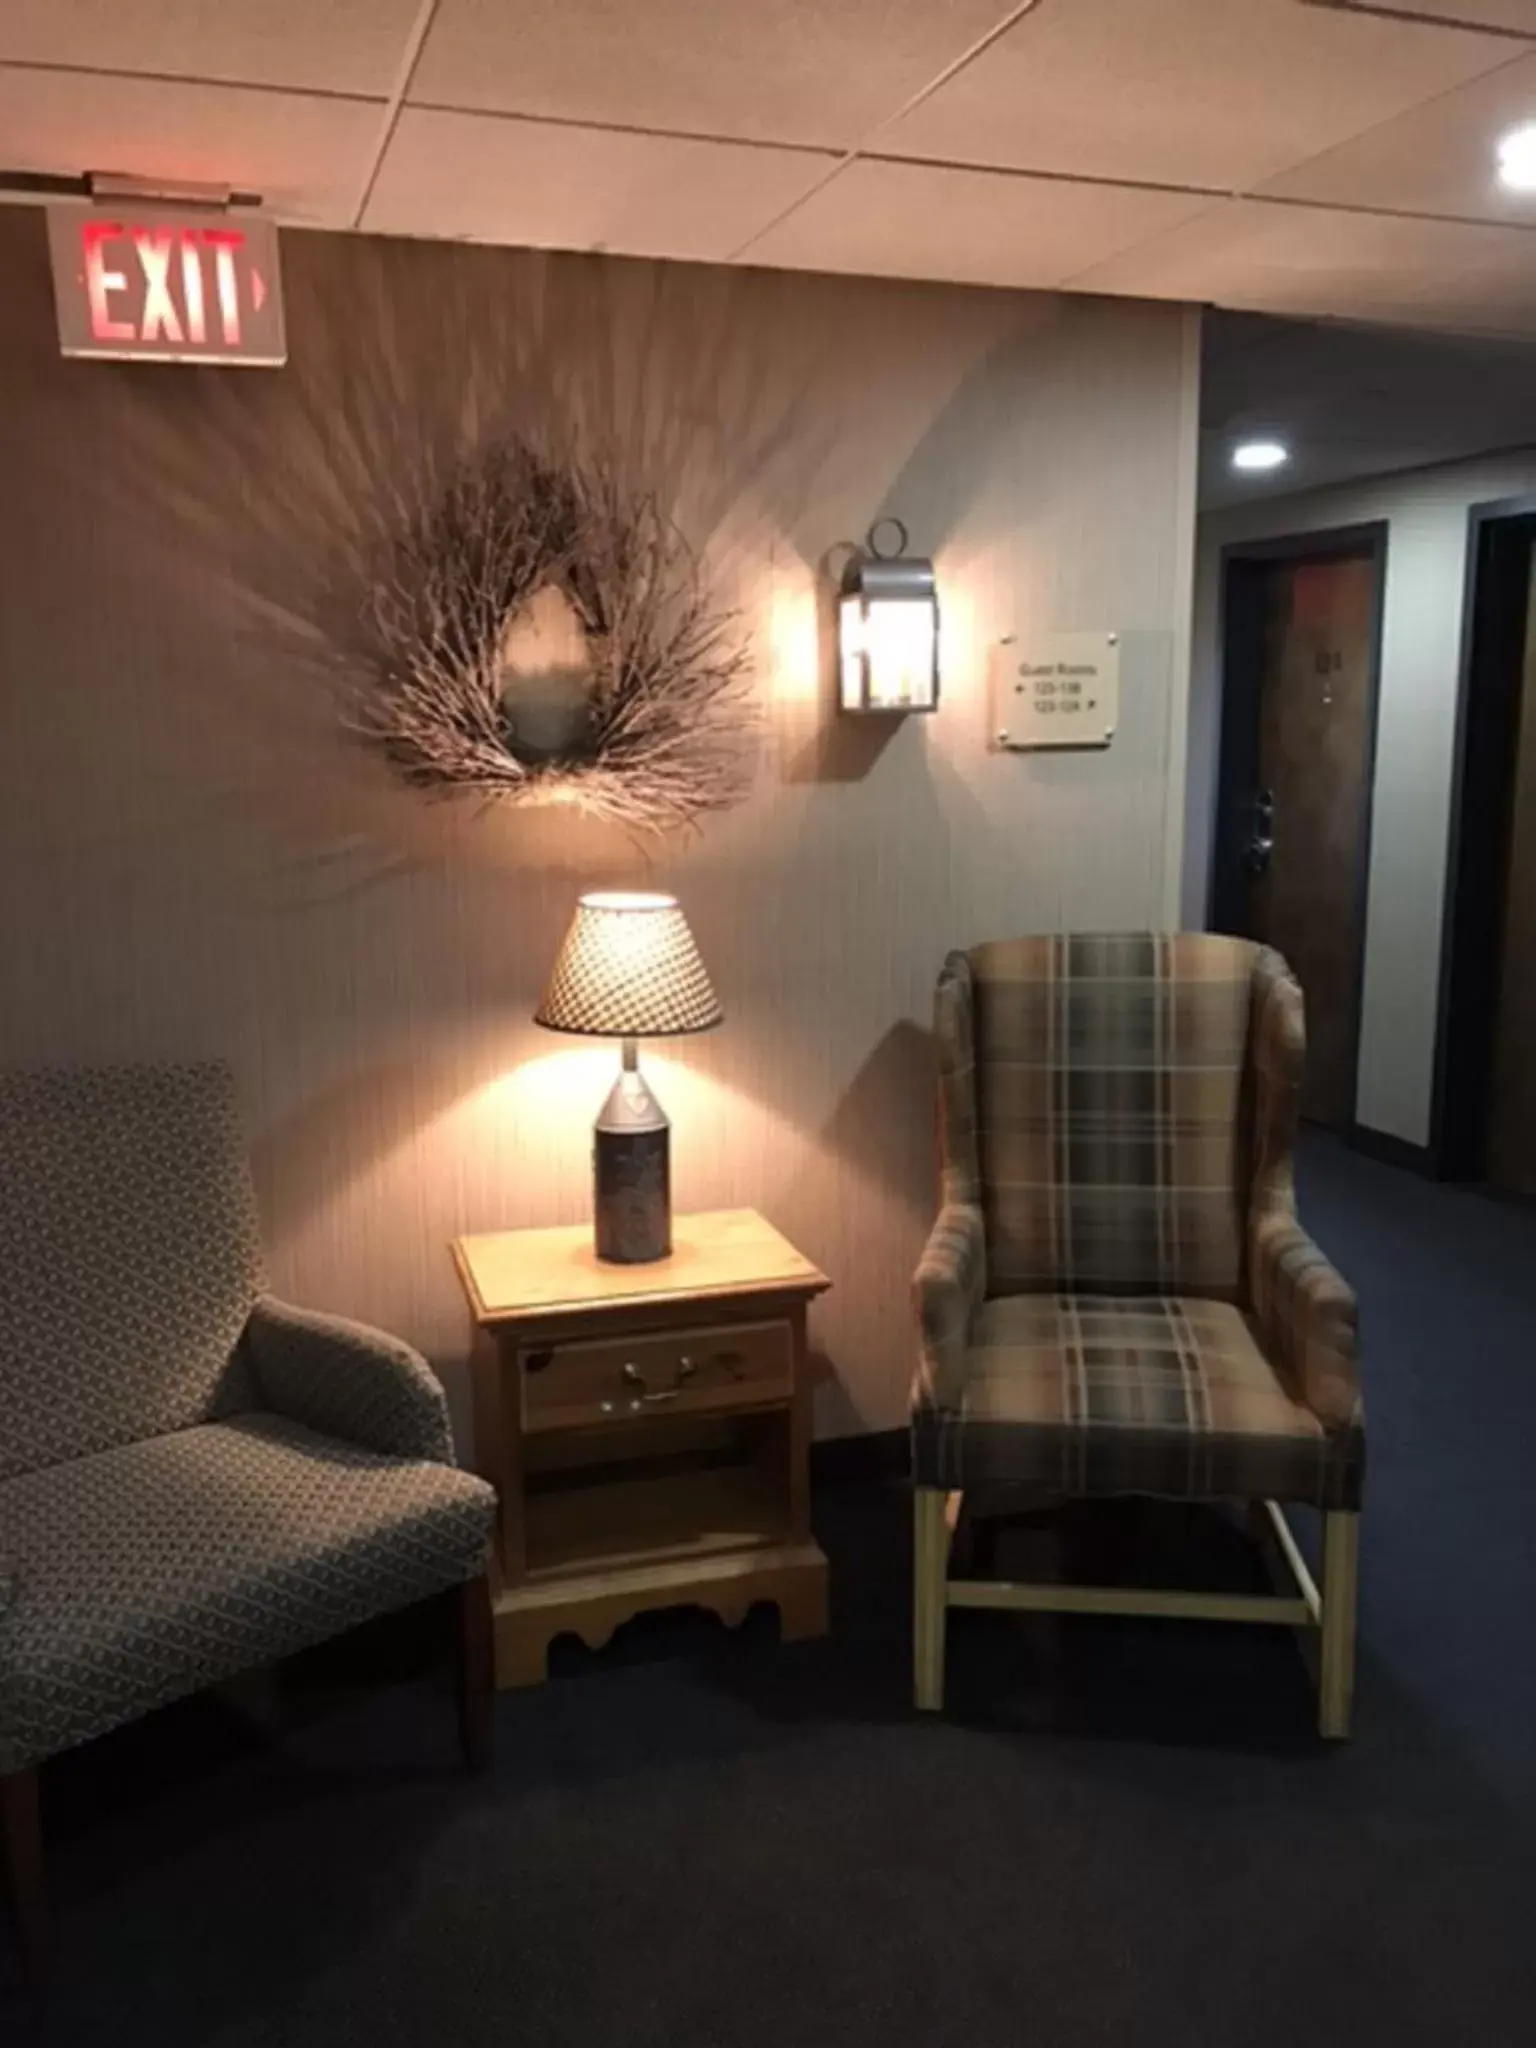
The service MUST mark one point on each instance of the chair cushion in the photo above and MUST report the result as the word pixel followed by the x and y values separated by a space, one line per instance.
pixel 151 1570
pixel 1107 1089
pixel 1105 1394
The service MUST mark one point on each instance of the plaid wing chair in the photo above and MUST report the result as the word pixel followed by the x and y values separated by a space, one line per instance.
pixel 1117 1297
pixel 194 1477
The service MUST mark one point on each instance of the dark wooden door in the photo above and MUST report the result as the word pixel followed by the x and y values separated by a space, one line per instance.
pixel 1511 1137
pixel 1297 789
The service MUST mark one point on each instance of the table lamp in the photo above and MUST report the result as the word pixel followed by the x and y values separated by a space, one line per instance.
pixel 629 969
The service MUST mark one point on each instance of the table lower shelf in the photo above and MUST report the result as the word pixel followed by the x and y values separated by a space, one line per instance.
pixel 591 1604
pixel 639 1517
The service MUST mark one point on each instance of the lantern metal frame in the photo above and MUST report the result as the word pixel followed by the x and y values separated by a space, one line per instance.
pixel 871 578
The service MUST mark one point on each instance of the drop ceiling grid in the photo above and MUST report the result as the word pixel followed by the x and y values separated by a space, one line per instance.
pixel 1086 93
pixel 351 48
pixel 1182 92
pixel 1504 17
pixel 496 178
pixel 818 73
pixel 678 128
pixel 304 152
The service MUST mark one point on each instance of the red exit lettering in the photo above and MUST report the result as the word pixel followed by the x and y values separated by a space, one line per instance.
pixel 170 287
pixel 160 317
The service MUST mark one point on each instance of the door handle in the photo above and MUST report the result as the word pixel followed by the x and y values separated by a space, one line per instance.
pixel 1259 851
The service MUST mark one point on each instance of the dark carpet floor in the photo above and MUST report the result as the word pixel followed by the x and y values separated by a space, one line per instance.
pixel 1122 1833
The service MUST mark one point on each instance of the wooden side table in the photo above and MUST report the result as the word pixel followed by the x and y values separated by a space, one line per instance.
pixel 647 1429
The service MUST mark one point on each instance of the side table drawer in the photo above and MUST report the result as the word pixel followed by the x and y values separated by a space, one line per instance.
pixel 668 1372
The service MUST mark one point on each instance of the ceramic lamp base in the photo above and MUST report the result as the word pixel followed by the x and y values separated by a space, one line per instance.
pixel 631 1172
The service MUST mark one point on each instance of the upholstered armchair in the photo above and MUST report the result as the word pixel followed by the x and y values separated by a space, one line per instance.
pixel 194 1477
pixel 1118 1296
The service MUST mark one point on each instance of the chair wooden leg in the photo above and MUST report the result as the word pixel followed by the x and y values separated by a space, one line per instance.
pixel 930 1565
pixel 1336 1676
pixel 21 1817
pixel 477 1671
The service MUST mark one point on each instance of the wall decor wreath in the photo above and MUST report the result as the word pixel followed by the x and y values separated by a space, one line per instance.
pixel 544 634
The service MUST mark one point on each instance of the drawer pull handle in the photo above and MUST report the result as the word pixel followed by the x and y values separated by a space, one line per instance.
pixel 650 1396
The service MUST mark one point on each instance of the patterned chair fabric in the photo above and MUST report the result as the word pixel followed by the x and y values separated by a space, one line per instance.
pixel 129 1257
pixel 157 1568
pixel 1118 1296
pixel 288 1475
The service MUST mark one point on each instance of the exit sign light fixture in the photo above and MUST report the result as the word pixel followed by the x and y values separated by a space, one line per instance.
pixel 144 283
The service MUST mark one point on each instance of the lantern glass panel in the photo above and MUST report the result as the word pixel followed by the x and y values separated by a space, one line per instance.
pixel 900 635
pixel 850 635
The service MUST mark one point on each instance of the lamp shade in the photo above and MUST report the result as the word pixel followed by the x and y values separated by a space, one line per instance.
pixel 628 968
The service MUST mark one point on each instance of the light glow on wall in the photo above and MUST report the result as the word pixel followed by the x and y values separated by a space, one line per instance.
pixel 1517 158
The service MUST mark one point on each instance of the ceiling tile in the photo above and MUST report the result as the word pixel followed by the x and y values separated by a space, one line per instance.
pixel 487 178
pixel 1184 92
pixel 979 227
pixel 349 46
pixel 810 71
pixel 1312 260
pixel 1438 159
pixel 307 157
pixel 1505 14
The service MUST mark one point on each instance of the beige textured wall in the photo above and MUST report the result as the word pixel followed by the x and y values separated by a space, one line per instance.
pixel 194 859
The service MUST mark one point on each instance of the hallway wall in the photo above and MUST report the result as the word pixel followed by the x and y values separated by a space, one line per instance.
pixel 1427 516
pixel 197 857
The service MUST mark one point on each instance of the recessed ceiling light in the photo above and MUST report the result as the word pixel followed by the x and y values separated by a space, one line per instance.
pixel 1255 456
pixel 1517 158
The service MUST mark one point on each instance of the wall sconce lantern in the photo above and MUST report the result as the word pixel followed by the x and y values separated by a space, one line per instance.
pixel 888 629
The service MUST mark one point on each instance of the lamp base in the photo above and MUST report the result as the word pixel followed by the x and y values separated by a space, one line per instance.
pixel 631 1172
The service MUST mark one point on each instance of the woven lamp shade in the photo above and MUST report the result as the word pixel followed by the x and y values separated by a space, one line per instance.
pixel 629 969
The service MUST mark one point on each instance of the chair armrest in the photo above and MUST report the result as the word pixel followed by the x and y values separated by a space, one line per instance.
pixel 346 1380
pixel 1308 1318
pixel 947 1289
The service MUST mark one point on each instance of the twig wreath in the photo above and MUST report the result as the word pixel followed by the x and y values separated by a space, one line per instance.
pixel 650 726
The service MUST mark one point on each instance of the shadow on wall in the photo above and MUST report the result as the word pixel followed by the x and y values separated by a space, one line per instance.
pixel 875 1129
pixel 878 1141
pixel 933 494
pixel 226 874
pixel 817 743
pixel 263 505
pixel 276 498
pixel 881 1127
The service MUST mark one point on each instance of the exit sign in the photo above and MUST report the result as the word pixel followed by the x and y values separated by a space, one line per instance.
pixel 167 285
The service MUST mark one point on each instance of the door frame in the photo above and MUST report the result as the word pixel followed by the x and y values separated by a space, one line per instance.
pixel 1240 637
pixel 1494 610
